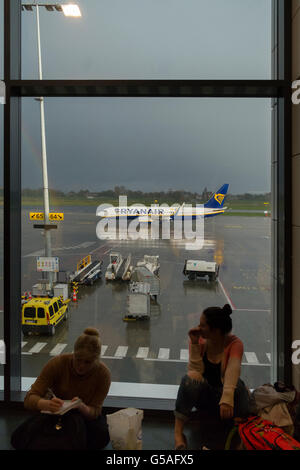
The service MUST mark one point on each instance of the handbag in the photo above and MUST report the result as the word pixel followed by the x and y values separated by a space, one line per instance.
pixel 51 432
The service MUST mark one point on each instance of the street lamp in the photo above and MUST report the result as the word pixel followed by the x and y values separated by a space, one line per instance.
pixel 73 10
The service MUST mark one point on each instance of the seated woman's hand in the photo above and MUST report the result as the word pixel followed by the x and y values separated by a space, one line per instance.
pixel 226 411
pixel 52 405
pixel 195 375
pixel 194 334
pixel 83 408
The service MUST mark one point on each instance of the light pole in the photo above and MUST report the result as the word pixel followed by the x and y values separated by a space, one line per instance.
pixel 68 10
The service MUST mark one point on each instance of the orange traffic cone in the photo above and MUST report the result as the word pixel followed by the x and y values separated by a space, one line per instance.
pixel 74 297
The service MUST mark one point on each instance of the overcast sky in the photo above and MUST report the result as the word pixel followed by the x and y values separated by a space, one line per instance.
pixel 151 144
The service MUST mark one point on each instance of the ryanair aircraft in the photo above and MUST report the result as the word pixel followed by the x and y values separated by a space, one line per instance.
pixel 214 206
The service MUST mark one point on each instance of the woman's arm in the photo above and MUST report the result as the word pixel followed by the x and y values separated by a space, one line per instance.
pixel 195 365
pixel 35 397
pixel 232 374
pixel 52 405
pixel 93 409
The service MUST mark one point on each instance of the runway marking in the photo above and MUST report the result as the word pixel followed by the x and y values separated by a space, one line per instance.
pixel 142 353
pixel 226 295
pixel 255 365
pixel 162 360
pixel 112 357
pixel 263 289
pixel 184 355
pixel 58 349
pixel 121 351
pixel 251 358
pixel 252 310
pixel 164 353
pixel 62 248
pixel 37 348
pixel 100 248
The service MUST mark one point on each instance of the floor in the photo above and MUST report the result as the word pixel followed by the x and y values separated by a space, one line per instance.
pixel 157 431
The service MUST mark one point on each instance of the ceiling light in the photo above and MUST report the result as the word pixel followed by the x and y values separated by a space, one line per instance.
pixel 71 9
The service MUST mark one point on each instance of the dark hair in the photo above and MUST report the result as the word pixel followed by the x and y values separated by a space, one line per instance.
pixel 217 317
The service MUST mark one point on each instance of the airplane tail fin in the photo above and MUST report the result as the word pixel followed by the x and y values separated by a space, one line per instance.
pixel 218 198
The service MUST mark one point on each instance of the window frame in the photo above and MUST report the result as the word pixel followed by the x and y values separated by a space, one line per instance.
pixel 278 88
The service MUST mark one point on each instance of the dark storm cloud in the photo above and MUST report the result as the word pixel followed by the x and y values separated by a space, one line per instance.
pixel 151 144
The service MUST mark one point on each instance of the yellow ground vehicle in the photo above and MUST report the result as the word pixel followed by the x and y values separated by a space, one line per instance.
pixel 42 315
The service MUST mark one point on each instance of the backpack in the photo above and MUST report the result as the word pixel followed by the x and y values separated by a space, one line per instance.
pixel 51 432
pixel 259 434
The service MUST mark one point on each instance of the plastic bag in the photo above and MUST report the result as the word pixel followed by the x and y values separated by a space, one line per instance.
pixel 125 429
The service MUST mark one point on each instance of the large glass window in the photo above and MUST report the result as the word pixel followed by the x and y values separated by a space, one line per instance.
pixel 151 39
pixel 2 348
pixel 1 40
pixel 153 151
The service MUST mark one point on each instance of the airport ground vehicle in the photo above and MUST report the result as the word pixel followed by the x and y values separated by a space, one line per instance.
pixel 119 268
pixel 87 272
pixel 42 315
pixel 197 268
pixel 151 263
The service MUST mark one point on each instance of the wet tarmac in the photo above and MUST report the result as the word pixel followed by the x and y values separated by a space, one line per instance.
pixel 156 350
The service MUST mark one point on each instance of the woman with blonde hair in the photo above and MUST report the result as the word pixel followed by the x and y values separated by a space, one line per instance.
pixel 82 375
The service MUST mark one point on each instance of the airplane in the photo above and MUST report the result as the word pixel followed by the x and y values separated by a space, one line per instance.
pixel 214 206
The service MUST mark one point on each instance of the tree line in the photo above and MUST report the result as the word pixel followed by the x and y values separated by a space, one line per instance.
pixel 171 195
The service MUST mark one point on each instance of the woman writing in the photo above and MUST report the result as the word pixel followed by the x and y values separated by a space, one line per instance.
pixel 213 380
pixel 77 375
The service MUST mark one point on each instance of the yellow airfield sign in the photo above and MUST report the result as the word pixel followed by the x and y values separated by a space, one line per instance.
pixel 57 216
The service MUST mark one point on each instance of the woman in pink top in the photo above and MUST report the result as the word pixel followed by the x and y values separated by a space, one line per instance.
pixel 213 380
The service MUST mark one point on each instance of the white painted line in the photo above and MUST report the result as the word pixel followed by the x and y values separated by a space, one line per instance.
pixel 111 357
pixel 268 356
pixel 164 353
pixel 121 351
pixel 254 365
pixel 23 343
pixel 2 352
pixel 103 349
pixel 100 248
pixel 184 354
pixel 58 349
pixel 251 358
pixel 163 360
pixel 142 353
pixel 123 389
pixel 37 348
pixel 226 295
pixel 251 310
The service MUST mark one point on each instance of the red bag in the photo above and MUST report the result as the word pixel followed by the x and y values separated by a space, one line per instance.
pixel 260 434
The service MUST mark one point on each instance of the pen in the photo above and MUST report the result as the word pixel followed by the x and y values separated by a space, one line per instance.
pixel 52 395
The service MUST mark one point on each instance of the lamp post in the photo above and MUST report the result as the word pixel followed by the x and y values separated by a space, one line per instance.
pixel 68 10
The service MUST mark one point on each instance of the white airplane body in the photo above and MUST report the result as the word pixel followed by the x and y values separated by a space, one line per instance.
pixel 214 206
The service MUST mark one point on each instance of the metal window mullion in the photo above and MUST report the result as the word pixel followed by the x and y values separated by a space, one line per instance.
pixel 12 202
